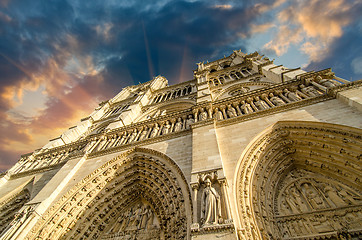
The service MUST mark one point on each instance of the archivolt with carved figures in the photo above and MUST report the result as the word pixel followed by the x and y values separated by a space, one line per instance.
pixel 301 180
pixel 140 194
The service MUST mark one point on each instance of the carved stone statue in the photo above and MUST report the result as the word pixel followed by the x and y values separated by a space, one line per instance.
pixel 166 128
pixel 295 201
pixel 309 91
pixel 155 130
pixel 135 217
pixel 246 107
pixel 291 95
pixel 333 196
pixel 313 196
pixel 276 100
pixel 231 112
pixel 218 114
pixel 178 125
pixel 327 82
pixel 133 136
pixel 260 104
pixel 210 205
pixel 143 134
pixel 190 120
pixel 202 115
pixel 146 217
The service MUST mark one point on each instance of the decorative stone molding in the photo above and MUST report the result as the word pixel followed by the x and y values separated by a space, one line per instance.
pixel 317 162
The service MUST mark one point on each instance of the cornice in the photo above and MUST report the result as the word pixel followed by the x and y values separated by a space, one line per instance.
pixel 228 227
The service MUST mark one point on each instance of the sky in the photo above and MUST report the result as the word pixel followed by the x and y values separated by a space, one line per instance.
pixel 60 58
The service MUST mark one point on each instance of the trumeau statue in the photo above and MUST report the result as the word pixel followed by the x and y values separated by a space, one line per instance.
pixel 210 205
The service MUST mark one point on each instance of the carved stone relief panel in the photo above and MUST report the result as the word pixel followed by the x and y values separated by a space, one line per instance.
pixel 138 221
pixel 311 204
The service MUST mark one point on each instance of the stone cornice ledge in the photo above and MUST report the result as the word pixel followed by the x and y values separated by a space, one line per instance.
pixel 227 227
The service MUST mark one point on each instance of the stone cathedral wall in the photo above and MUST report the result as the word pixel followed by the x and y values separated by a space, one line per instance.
pixel 245 150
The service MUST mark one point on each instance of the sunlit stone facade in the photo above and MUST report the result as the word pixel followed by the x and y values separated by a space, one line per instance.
pixel 245 150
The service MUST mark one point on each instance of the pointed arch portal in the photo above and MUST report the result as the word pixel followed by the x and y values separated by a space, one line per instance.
pixel 141 194
pixel 301 180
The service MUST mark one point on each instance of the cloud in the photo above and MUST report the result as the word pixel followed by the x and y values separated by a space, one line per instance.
pixel 223 6
pixel 82 53
pixel 356 65
pixel 286 36
pixel 341 55
pixel 261 28
pixel 315 23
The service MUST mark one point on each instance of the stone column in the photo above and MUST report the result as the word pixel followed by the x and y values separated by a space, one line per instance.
pixel 341 79
pixel 318 86
pixel 195 187
pixel 225 195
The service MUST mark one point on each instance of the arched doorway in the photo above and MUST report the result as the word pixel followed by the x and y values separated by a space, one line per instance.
pixel 141 194
pixel 301 180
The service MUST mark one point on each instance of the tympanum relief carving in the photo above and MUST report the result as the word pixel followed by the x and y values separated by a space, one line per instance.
pixel 137 222
pixel 311 204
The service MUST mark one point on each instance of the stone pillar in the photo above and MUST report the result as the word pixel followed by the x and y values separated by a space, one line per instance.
pixel 195 187
pixel 341 79
pixel 318 86
pixel 225 195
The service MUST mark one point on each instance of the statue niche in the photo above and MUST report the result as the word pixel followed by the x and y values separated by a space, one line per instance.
pixel 210 205
pixel 311 204
pixel 210 202
pixel 138 220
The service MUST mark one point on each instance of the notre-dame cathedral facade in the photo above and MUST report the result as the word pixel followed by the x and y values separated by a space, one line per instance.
pixel 245 150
